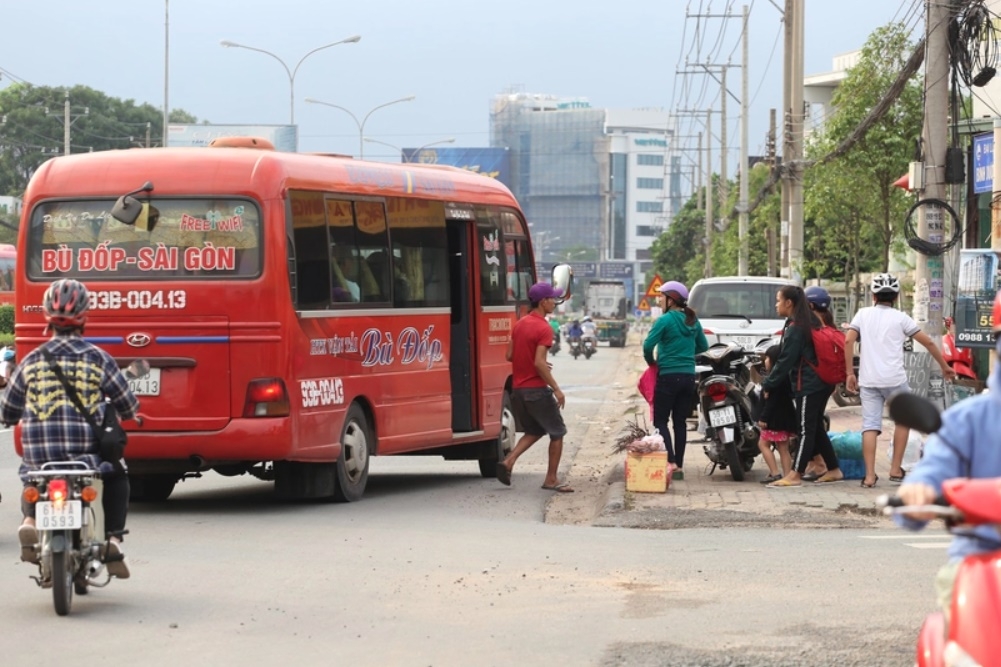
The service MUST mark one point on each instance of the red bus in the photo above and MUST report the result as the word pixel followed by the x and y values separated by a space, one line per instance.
pixel 8 257
pixel 300 313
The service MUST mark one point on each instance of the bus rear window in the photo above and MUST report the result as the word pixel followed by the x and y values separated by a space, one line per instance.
pixel 190 238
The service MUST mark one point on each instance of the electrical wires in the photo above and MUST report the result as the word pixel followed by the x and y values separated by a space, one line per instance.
pixel 971 43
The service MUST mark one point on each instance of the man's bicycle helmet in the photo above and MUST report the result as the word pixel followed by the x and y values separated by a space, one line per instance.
pixel 885 283
pixel 66 303
pixel 818 296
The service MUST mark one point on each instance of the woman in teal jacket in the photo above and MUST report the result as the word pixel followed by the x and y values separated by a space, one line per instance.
pixel 677 336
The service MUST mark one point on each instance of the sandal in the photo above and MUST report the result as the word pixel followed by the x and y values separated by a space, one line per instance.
pixel 813 476
pixel 869 486
pixel 771 478
pixel 897 479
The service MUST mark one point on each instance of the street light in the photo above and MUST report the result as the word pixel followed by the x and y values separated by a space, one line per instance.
pixel 450 140
pixel 291 72
pixel 361 124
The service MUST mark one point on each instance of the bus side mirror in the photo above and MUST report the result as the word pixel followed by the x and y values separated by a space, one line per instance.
pixel 128 209
pixel 562 281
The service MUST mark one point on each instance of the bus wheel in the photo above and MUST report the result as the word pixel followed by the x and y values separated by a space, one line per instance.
pixel 151 488
pixel 352 466
pixel 504 443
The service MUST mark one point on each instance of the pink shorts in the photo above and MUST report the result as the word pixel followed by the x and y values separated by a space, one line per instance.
pixel 775 436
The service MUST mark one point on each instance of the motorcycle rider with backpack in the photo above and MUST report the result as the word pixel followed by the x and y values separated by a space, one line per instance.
pixel 883 330
pixel 53 429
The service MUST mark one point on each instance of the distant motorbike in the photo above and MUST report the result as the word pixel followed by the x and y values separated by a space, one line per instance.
pixel 589 347
pixel 575 347
pixel 70 522
pixel 555 346
pixel 726 399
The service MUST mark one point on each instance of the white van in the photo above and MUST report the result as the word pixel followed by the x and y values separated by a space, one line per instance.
pixel 738 309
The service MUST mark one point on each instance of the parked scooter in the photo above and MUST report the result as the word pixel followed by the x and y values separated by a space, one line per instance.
pixel 70 522
pixel 975 615
pixel 726 398
pixel 959 359
pixel 588 346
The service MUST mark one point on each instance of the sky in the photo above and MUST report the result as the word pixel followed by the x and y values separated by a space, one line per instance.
pixel 453 55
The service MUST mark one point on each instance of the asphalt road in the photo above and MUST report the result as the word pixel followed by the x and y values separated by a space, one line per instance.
pixel 437 566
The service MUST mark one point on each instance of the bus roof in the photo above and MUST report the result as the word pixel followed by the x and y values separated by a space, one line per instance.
pixel 259 173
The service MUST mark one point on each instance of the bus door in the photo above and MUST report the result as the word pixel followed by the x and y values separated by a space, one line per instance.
pixel 462 366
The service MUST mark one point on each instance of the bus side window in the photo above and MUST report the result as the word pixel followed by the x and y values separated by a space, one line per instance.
pixel 312 265
pixel 493 271
pixel 419 258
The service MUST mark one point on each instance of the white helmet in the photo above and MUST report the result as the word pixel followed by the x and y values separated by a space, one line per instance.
pixel 884 283
pixel 587 318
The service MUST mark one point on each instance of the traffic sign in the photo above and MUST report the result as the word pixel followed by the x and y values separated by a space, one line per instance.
pixel 654 288
pixel 644 305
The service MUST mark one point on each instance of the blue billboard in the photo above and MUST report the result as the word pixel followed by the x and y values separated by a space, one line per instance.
pixel 492 162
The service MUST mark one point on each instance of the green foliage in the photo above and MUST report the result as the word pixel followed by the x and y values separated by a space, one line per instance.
pixel 6 339
pixel 853 211
pixel 33 131
pixel 679 253
pixel 7 319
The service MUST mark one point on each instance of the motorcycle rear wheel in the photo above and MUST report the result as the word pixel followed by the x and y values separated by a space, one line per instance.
pixel 62 582
pixel 843 398
pixel 734 463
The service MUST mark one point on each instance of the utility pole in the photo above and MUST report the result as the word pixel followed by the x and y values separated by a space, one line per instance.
pixel 930 271
pixel 742 204
pixel 773 251
pixel 68 119
pixel 698 199
pixel 709 197
pixel 792 148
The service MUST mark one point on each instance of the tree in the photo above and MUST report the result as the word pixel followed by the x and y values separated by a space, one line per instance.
pixel 679 253
pixel 853 211
pixel 33 126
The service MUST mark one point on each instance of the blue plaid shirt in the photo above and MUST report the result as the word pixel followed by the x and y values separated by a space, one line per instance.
pixel 52 428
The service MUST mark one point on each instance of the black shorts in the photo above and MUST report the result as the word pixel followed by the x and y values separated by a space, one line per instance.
pixel 537 412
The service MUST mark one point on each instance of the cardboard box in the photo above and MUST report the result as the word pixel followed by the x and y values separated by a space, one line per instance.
pixel 647 473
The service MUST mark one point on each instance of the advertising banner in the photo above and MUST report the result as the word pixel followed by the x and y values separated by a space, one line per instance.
pixel 492 162
pixel 284 137
pixel 983 162
pixel 615 270
pixel 978 283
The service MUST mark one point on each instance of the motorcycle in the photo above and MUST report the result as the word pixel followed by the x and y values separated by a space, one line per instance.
pixel 575 347
pixel 70 521
pixel 726 399
pixel 975 614
pixel 959 360
pixel 844 398
pixel 555 346
pixel 588 347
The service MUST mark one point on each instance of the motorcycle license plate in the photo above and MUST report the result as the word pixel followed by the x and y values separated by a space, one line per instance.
pixel 50 517
pixel 723 416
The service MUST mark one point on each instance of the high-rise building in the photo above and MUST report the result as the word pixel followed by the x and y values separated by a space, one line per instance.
pixel 589 178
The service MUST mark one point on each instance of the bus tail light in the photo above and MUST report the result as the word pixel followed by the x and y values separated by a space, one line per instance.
pixel 266 397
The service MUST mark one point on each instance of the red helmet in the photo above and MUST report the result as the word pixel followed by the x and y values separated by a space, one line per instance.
pixel 66 303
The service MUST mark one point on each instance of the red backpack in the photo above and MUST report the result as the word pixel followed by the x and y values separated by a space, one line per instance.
pixel 829 344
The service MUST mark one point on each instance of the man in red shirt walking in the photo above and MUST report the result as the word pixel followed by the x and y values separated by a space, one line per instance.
pixel 537 399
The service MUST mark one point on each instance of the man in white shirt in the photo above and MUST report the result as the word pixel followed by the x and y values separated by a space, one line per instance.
pixel 883 330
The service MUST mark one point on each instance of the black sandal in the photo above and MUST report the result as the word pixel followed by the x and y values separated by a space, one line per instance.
pixel 869 486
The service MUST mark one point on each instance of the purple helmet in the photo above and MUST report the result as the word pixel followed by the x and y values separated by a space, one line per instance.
pixel 675 290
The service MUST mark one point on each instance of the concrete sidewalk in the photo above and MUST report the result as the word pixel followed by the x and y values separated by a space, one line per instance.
pixel 600 475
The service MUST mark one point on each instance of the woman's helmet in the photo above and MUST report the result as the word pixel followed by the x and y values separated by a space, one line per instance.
pixel 8 354
pixel 675 290
pixel 885 283
pixel 66 303
pixel 587 318
pixel 818 296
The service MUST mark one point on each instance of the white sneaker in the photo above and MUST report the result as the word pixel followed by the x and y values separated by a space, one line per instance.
pixel 115 560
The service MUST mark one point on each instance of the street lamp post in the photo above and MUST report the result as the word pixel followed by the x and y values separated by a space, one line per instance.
pixel 293 71
pixel 361 123
pixel 450 140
